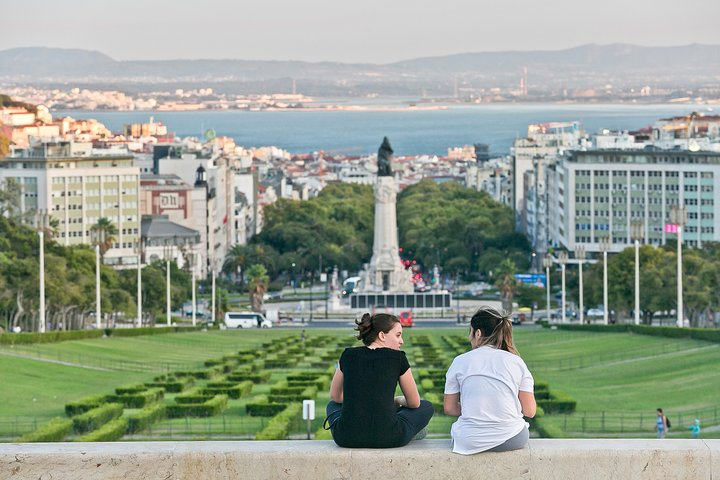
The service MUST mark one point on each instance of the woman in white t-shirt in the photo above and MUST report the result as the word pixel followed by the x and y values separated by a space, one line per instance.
pixel 490 389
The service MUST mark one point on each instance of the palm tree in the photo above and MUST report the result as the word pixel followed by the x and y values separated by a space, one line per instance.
pixel 104 231
pixel 506 283
pixel 258 280
pixel 236 260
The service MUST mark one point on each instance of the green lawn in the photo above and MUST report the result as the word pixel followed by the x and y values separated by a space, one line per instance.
pixel 617 379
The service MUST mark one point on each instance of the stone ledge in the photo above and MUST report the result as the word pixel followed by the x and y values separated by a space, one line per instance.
pixel 426 459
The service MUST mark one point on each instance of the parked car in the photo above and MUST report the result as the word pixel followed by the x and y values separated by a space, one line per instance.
pixel 406 318
pixel 595 312
pixel 246 320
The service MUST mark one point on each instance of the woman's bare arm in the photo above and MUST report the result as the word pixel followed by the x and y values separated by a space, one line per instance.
pixel 409 389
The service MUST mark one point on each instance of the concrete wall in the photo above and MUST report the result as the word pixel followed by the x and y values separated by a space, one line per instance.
pixel 422 460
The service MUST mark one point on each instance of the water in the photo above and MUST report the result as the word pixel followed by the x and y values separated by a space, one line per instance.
pixel 411 132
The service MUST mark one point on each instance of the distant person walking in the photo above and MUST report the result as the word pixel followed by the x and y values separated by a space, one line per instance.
pixel 695 429
pixel 661 423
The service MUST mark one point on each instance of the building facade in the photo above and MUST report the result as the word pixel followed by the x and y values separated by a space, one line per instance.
pixel 77 188
pixel 609 193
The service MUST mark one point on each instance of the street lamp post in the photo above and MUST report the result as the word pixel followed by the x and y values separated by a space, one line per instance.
pixel 562 259
pixel 580 257
pixel 294 281
pixel 192 260
pixel 98 238
pixel 678 216
pixel 41 223
pixel 604 244
pixel 547 263
pixel 637 233
pixel 167 254
pixel 213 290
pixel 139 248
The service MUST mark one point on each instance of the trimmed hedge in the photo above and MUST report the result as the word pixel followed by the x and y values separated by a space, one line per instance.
pixel 543 426
pixel 707 334
pixel 48 337
pixel 279 426
pixel 264 409
pixel 193 396
pixel 136 332
pixel 130 389
pixel 309 392
pixel 109 432
pixel 83 405
pixel 172 385
pixel 144 418
pixel 259 377
pixel 210 408
pixel 558 402
pixel 138 400
pixel 97 417
pixel 206 374
pixel 232 390
pixel 66 335
pixel 53 431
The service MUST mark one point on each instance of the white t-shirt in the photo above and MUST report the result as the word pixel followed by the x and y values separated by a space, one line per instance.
pixel 488 381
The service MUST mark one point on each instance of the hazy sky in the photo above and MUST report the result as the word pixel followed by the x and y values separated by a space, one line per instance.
pixel 372 31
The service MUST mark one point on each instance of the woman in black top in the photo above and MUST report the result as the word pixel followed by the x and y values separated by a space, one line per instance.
pixel 363 411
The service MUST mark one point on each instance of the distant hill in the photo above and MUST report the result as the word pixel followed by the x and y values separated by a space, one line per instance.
pixel 583 66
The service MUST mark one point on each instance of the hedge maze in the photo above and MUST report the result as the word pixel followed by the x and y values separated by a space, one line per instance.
pixel 267 383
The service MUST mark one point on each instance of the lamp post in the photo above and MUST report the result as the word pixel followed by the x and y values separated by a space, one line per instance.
pixel 604 244
pixel 138 250
pixel 213 290
pixel 580 257
pixel 192 259
pixel 294 281
pixel 547 263
pixel 562 259
pixel 167 253
pixel 678 216
pixel 637 233
pixel 98 237
pixel 41 222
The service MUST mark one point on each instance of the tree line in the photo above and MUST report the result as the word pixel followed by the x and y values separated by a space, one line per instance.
pixel 461 230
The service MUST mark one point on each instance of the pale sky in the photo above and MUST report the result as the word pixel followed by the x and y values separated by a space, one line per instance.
pixel 372 31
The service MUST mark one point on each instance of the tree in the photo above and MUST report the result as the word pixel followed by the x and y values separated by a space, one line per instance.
pixel 258 280
pixel 10 194
pixel 104 231
pixel 506 283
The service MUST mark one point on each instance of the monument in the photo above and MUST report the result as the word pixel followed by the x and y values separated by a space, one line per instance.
pixel 385 281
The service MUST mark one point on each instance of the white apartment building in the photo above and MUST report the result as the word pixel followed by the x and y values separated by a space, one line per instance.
pixel 213 201
pixel 606 193
pixel 77 188
pixel 545 140
pixel 493 177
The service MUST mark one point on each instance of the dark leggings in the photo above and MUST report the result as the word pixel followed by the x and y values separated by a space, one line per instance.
pixel 412 419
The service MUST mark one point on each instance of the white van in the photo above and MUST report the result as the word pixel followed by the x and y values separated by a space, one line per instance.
pixel 246 320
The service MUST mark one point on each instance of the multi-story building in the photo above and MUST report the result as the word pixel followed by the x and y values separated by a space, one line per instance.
pixel 603 193
pixel 543 141
pixel 77 188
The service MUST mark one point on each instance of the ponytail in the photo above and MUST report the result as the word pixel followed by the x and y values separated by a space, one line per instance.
pixel 495 328
pixel 369 326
